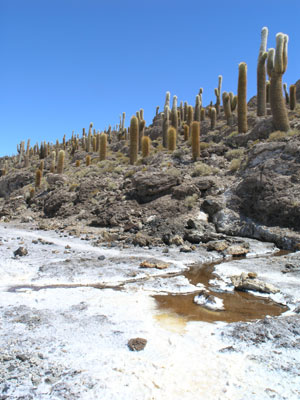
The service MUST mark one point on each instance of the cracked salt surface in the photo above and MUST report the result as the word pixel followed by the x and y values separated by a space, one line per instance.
pixel 73 341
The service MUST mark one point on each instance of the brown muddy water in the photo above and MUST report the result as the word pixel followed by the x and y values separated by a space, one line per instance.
pixel 239 306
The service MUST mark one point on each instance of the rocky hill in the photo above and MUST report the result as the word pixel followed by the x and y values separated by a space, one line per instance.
pixel 243 184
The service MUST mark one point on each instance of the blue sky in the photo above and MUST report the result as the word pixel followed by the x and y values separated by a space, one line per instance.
pixel 65 63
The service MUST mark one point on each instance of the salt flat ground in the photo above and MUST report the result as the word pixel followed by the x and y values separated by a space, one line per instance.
pixel 66 318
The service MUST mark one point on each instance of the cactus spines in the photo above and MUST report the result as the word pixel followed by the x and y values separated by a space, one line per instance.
pixel 171 138
pixel 197 114
pixel 134 139
pixel 77 163
pixel 227 107
pixel 103 147
pixel 261 73
pixel 41 167
pixel 166 124
pixel 242 98
pixel 181 110
pixel 287 97
pixel 293 98
pixel 60 161
pixel 186 131
pixel 276 65
pixel 190 115
pixel 213 117
pixel 38 178
pixel 195 133
pixel 146 143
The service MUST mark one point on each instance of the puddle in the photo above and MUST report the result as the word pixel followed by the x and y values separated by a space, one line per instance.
pixel 239 306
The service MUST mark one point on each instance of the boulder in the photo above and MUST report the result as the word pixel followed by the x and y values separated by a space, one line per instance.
pixel 150 186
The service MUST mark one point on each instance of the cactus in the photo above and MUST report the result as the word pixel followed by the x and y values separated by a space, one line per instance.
pixel 31 193
pixel 197 113
pixel 227 107
pixel 174 115
pixel 287 97
pixel 41 167
pixel 142 125
pixel 156 111
pixel 134 140
pixel 213 117
pixel 166 125
pixel 186 131
pixel 60 161
pixel 77 163
pixel 94 144
pixel 53 161
pixel 242 98
pixel 218 101
pixel 146 143
pixel 202 114
pixel 185 111
pixel 277 64
pixel 195 133
pixel 190 115
pixel 261 74
pixel 88 160
pixel 167 101
pixel 172 138
pixel 220 79
pixel 268 92
pixel 103 147
pixel 38 178
pixel 181 109
pixel 293 98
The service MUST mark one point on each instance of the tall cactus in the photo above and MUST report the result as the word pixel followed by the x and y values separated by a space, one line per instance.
pixel 242 98
pixel 261 73
pixel 195 133
pixel 190 116
pixel 293 98
pixel 227 107
pixel 134 139
pixel 213 117
pixel 174 114
pixel 197 113
pixel 287 97
pixel 103 146
pixel 60 161
pixel 167 101
pixel 276 65
pixel 166 124
pixel 38 178
pixel 171 139
pixel 146 143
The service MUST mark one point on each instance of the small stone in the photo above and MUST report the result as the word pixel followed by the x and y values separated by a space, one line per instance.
pixel 21 251
pixel 185 249
pixel 252 275
pixel 137 344
pixel 165 250
pixel 217 245
pixel 67 246
pixel 101 258
pixel 147 264
pixel 237 250
pixel 177 240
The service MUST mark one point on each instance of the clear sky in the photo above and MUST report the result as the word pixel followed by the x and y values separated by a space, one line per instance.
pixel 65 63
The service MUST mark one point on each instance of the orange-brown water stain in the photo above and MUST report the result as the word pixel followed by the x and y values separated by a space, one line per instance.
pixel 239 306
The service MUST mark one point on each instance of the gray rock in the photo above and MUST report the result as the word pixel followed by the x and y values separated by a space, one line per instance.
pixel 245 282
